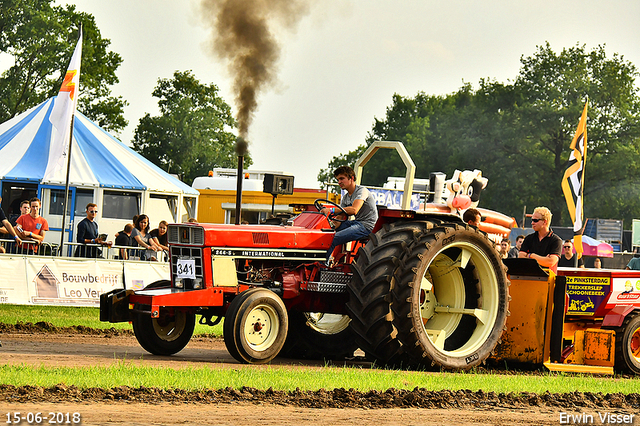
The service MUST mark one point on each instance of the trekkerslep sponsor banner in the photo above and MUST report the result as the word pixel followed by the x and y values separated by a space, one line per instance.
pixel 586 294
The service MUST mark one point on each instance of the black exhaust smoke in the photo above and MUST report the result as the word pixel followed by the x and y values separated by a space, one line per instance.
pixel 243 36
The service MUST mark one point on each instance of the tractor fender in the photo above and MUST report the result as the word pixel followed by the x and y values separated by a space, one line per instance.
pixel 616 316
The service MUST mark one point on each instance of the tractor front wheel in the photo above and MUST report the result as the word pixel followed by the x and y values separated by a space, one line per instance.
pixel 255 326
pixel 166 335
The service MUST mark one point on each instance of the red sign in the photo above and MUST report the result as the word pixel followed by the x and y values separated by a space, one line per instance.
pixel 629 296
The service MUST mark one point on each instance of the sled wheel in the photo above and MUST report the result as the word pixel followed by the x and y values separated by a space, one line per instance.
pixel 628 345
pixel 450 303
pixel 369 290
pixel 315 335
pixel 255 326
pixel 165 335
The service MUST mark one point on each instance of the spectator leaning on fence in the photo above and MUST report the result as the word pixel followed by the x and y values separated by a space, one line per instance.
pixel 159 236
pixel 32 226
pixel 6 226
pixel 124 240
pixel 140 234
pixel 88 234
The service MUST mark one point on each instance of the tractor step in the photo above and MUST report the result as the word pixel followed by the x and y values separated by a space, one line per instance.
pixel 330 282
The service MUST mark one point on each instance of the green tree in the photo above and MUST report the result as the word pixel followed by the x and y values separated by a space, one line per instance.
pixel 40 38
pixel 191 135
pixel 535 119
pixel 519 133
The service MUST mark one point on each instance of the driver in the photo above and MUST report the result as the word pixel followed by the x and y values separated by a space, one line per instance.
pixel 357 201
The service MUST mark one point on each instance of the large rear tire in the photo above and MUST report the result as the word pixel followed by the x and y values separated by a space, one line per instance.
pixel 628 345
pixel 314 335
pixel 255 326
pixel 370 288
pixel 166 335
pixel 450 303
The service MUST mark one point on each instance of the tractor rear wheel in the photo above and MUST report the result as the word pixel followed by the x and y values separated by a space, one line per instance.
pixel 166 335
pixel 450 301
pixel 369 290
pixel 628 344
pixel 255 326
pixel 316 335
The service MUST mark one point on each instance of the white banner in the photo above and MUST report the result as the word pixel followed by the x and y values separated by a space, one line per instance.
pixel 138 275
pixel 71 282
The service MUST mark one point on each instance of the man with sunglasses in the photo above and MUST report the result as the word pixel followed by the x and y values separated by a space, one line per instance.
pixel 543 245
pixel 567 260
pixel 88 234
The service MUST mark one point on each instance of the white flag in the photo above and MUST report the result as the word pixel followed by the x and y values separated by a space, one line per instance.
pixel 62 112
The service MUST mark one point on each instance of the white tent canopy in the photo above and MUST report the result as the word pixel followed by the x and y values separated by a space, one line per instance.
pixel 97 158
pixel 101 165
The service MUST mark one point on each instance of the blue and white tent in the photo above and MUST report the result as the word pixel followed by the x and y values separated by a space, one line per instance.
pixel 97 158
pixel 101 166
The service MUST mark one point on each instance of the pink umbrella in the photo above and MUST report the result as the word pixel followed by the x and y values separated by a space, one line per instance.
pixel 593 247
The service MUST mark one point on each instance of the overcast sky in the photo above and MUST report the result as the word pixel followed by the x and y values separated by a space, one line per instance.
pixel 346 59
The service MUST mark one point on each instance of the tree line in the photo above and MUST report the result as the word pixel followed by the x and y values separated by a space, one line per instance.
pixel 518 133
pixel 193 132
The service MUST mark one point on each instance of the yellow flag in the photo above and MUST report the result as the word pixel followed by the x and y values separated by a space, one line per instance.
pixel 573 180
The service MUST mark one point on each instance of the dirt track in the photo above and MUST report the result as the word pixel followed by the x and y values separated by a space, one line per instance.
pixel 246 406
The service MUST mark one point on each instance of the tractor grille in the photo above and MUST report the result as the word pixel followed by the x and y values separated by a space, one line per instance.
pixel 330 282
pixel 194 253
pixel 335 277
pixel 190 235
pixel 260 238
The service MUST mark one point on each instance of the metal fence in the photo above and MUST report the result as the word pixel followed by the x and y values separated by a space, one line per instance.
pixel 70 249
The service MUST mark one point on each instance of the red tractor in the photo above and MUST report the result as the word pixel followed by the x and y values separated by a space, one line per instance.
pixel 424 288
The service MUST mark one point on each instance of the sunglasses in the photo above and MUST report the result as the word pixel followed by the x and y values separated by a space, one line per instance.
pixel 93 211
pixel 567 247
pixel 536 220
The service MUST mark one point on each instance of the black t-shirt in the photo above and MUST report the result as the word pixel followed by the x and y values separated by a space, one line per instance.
pixel 87 230
pixel 162 239
pixel 550 244
pixel 123 239
pixel 570 263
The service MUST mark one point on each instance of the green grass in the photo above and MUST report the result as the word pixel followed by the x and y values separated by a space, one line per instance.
pixel 286 378
pixel 278 377
pixel 63 316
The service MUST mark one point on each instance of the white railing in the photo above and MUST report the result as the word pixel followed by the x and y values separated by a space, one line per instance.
pixel 69 250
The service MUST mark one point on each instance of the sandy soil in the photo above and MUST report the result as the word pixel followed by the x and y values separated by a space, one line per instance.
pixel 250 406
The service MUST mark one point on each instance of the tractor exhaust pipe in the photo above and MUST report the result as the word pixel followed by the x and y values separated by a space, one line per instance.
pixel 241 149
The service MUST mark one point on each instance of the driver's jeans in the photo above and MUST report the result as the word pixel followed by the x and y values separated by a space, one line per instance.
pixel 349 230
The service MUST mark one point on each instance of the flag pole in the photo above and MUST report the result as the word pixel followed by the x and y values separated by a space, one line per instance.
pixel 66 185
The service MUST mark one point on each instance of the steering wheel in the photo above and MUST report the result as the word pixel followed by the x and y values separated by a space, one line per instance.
pixel 320 204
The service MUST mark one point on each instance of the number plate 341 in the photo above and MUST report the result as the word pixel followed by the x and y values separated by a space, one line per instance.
pixel 186 268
